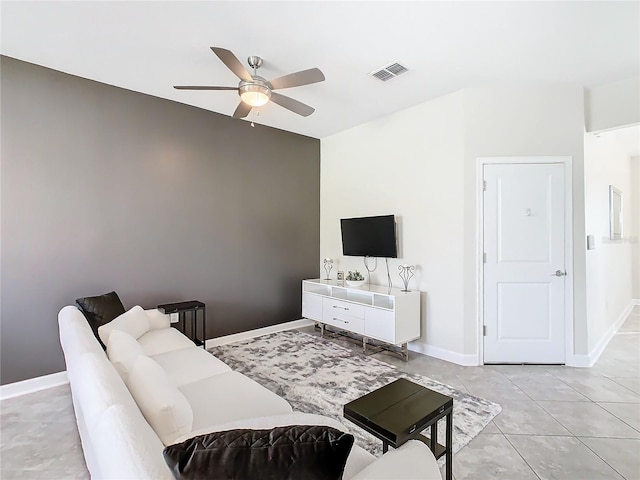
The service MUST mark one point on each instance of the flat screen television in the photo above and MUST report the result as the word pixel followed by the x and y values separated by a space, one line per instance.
pixel 369 236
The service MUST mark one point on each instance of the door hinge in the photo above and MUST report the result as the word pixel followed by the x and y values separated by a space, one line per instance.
pixel 484 185
pixel 484 258
pixel 484 330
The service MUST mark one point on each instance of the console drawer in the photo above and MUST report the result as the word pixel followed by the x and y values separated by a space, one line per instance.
pixel 355 325
pixel 344 315
pixel 335 307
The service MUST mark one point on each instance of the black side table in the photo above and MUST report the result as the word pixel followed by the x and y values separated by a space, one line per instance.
pixel 193 307
pixel 399 411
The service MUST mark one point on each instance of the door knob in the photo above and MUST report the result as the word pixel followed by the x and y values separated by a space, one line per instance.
pixel 559 273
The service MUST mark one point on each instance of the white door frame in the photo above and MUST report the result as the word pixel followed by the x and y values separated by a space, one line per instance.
pixel 568 246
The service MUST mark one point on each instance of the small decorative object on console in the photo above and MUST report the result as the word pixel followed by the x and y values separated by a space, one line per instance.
pixel 328 265
pixel 355 279
pixel 340 278
pixel 406 272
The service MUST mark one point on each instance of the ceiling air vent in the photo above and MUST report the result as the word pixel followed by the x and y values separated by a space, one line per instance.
pixel 389 72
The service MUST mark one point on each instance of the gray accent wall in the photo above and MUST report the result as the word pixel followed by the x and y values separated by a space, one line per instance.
pixel 107 189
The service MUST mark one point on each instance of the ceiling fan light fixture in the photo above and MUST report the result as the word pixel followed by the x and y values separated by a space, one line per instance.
pixel 255 91
pixel 255 95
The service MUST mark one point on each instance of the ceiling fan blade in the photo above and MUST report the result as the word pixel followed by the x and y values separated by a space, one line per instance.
pixel 305 77
pixel 232 63
pixel 290 104
pixel 202 87
pixel 242 110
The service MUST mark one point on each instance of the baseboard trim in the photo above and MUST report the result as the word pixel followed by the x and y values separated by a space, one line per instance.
pixel 258 332
pixel 32 385
pixel 580 361
pixel 443 354
pixel 593 356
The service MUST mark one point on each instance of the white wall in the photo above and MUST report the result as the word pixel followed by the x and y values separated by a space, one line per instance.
pixel 610 267
pixel 543 120
pixel 409 164
pixel 635 227
pixel 420 164
pixel 613 105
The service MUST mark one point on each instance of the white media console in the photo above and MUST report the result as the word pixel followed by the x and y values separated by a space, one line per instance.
pixel 375 312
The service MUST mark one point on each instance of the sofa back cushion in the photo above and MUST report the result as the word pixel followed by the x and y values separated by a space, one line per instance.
pixel 162 404
pixel 157 319
pixel 135 322
pixel 100 309
pixel 123 350
pixel 292 452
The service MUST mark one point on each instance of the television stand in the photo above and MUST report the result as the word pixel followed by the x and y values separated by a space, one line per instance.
pixel 373 312
pixel 402 350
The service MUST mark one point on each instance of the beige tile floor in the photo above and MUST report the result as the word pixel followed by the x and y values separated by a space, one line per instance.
pixel 556 423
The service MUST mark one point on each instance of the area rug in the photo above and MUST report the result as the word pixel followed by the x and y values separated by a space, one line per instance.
pixel 316 375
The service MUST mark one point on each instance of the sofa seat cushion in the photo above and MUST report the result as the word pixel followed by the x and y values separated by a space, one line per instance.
pixel 163 340
pixel 162 404
pixel 230 396
pixel 269 421
pixel 188 365
pixel 292 452
pixel 135 322
pixel 413 456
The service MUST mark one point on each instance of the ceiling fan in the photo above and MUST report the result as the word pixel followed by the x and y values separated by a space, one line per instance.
pixel 255 91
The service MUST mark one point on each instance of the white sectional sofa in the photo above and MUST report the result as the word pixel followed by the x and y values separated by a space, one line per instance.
pixel 153 387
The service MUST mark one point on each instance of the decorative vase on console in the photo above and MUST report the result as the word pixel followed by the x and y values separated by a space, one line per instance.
pixel 355 279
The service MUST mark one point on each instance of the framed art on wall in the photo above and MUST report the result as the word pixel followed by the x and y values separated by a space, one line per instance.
pixel 615 213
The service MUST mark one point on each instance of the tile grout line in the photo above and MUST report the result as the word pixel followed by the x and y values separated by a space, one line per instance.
pixel 504 435
pixel 613 379
pixel 523 459
pixel 621 419
pixel 552 416
pixel 574 389
pixel 596 454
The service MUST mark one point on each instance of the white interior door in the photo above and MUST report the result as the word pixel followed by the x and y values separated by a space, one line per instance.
pixel 524 272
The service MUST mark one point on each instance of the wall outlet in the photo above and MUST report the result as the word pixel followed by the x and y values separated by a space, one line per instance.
pixel 175 317
pixel 591 242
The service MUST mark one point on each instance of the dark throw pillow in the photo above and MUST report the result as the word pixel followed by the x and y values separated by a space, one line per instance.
pixel 100 309
pixel 294 452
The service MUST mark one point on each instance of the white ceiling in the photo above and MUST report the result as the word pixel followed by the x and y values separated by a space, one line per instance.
pixel 150 46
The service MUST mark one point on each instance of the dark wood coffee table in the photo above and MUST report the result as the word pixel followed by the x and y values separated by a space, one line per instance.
pixel 398 412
